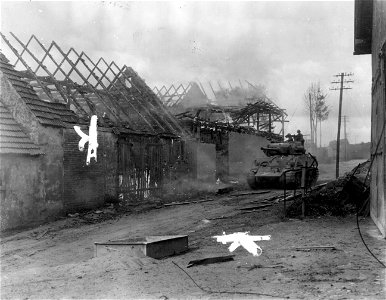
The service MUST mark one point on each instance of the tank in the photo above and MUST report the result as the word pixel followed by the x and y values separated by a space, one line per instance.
pixel 283 168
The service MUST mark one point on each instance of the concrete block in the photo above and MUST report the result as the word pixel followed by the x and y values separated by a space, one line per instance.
pixel 152 246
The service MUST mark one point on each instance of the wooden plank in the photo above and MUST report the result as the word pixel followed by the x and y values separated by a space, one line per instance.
pixel 256 207
pixel 309 248
pixel 249 193
pixel 210 260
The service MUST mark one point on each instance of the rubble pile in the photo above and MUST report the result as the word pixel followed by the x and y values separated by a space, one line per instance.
pixel 337 198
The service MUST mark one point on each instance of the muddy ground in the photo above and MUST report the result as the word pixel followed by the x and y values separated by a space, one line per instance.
pixel 59 263
pixel 57 260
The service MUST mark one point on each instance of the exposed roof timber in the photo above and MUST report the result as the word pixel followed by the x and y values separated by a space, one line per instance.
pixel 99 80
pixel 50 77
pixel 265 97
pixel 111 100
pixel 169 117
pixel 240 115
pixel 59 66
pixel 123 73
pixel 156 90
pixel 151 115
pixel 22 52
pixel 176 96
pixel 202 89
pixel 73 68
pixel 211 87
pixel 115 103
pixel 45 89
pixel 163 87
pixel 46 54
pixel 89 86
pixel 185 90
pixel 227 127
pixel 171 99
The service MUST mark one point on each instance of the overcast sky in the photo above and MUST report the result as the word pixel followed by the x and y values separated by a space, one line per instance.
pixel 282 45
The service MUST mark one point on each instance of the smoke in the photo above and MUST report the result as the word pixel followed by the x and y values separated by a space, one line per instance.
pixel 282 45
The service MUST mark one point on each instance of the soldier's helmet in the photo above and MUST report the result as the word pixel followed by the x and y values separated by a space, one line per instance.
pixel 298 131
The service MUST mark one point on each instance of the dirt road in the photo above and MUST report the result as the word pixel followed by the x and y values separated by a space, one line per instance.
pixel 56 260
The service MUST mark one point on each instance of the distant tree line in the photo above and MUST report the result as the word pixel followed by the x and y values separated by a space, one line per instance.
pixel 318 110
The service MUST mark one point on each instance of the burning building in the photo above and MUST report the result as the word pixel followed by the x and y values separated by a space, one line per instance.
pixel 45 92
pixel 238 121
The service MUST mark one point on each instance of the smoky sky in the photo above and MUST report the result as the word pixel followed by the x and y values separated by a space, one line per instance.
pixel 284 46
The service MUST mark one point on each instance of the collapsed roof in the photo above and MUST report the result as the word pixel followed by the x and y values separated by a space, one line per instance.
pixel 117 95
pixel 244 109
pixel 48 113
pixel 189 95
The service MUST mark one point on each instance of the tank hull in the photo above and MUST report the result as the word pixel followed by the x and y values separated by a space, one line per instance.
pixel 284 172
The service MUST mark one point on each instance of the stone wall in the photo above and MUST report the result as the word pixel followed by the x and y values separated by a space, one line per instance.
pixel 32 186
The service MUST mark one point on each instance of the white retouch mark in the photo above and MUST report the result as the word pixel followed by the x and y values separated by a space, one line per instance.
pixel 243 239
pixel 91 138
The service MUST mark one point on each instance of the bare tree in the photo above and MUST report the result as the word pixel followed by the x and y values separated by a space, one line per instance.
pixel 315 102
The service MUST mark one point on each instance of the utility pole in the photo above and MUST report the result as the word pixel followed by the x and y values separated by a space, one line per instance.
pixel 283 120
pixel 345 137
pixel 341 88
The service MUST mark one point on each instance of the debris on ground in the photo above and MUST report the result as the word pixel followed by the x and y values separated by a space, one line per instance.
pixel 225 190
pixel 186 202
pixel 259 266
pixel 309 248
pixel 287 198
pixel 221 217
pixel 255 207
pixel 250 193
pixel 338 197
pixel 43 234
pixel 30 266
pixel 176 203
pixel 210 260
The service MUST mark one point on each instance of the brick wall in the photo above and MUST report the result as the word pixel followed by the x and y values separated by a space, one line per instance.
pixel 87 186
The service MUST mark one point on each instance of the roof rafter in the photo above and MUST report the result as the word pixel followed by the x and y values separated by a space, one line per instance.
pixel 94 87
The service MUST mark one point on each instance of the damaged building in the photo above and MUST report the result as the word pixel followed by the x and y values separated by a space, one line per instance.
pixel 45 92
pixel 238 121
pixel 370 38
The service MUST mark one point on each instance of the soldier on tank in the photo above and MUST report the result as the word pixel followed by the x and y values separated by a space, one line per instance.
pixel 299 137
pixel 289 138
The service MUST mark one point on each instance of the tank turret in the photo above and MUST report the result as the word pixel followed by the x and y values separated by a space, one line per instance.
pixel 284 167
